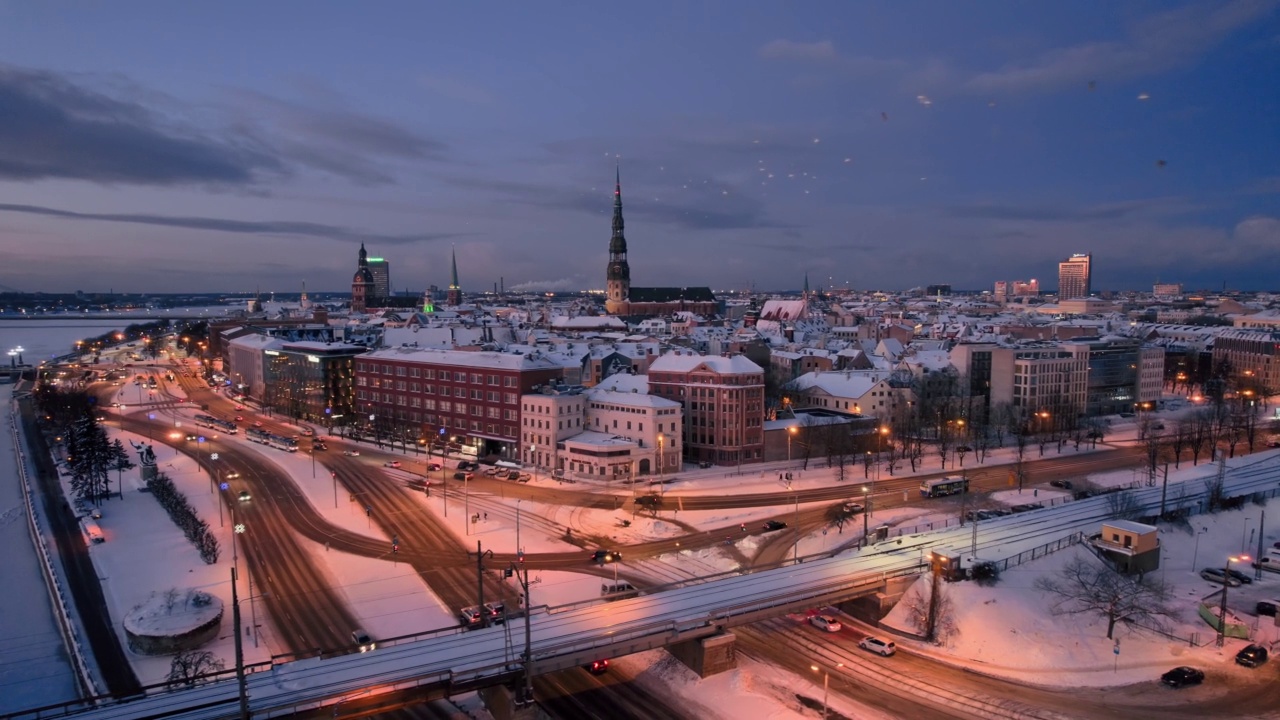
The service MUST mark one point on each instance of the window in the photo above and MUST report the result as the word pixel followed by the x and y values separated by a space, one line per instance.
pixel 477 394
pixel 477 410
pixel 476 378
pixel 429 404
pixel 508 382
pixel 460 377
pixel 495 413
pixel 493 379
pixel 415 372
pixel 511 399
pixel 400 372
pixel 446 406
pixel 429 374
pixel 460 408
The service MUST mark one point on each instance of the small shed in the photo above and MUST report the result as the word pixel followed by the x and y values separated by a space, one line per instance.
pixel 1130 547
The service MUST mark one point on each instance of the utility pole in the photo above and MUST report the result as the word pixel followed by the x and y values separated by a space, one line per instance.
pixel 235 617
pixel 1257 571
pixel 484 616
pixel 525 697
pixel 1164 489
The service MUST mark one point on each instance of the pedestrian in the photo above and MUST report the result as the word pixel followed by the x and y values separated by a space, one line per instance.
pixel 486 516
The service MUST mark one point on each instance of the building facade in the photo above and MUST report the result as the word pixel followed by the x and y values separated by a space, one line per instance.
pixel 1253 354
pixel 362 283
pixel 1075 277
pixel 723 404
pixel 311 381
pixel 380 269
pixel 473 398
pixel 1122 373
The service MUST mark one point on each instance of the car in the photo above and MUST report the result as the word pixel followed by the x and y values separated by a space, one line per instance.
pixel 352 453
pixel 473 466
pixel 1267 607
pixel 1064 484
pixel 513 475
pixel 363 640
pixel 318 445
pixel 878 646
pixel 464 476
pixel 231 475
pixel 597 667
pixel 96 513
pixel 1216 575
pixel 308 432
pixel 825 622
pixel 470 616
pixel 1251 656
pixel 1180 676
pixel 239 408
pixel 774 525
pixel 432 467
pixel 191 437
pixel 1242 577
pixel 853 507
pixel 257 423
pixel 497 612
pixel 245 496
pixel 392 464
pixel 1273 443
pixel 492 472
pixel 239 418
pixel 525 477
pixel 606 556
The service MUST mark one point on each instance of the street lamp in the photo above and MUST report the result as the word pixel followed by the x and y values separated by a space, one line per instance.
pixel 883 433
pixel 1226 583
pixel 866 510
pixel 1196 552
pixel 826 683
pixel 790 431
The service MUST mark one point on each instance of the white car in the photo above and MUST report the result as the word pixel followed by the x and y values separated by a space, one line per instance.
pixel 878 646
pixel 825 622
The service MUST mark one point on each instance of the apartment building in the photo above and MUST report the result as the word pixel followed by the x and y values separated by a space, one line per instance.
pixel 723 404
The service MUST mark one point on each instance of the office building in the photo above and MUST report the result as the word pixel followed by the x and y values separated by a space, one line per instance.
pixel 723 399
pixel 381 272
pixel 1075 276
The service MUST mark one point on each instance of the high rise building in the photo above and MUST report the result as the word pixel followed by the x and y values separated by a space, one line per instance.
pixel 1075 275
pixel 381 272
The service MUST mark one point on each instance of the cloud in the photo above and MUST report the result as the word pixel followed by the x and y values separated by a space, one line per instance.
pixel 1155 44
pixel 782 49
pixel 243 227
pixel 1045 213
pixel 562 285
pixel 51 127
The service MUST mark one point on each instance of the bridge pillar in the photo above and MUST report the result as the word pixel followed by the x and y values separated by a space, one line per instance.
pixel 709 655
pixel 872 608
pixel 500 701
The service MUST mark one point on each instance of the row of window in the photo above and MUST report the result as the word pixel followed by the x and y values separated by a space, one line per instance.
pixel 371 368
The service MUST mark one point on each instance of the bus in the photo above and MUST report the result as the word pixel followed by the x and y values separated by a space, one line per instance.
pixel 938 487
pixel 208 421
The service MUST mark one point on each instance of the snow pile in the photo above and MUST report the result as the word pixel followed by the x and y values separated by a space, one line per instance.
pixel 173 620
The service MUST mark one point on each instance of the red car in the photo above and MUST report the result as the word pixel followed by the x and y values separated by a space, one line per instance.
pixel 239 407
pixel 239 419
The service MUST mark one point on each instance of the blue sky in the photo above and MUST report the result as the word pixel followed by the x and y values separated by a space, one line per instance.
pixel 155 146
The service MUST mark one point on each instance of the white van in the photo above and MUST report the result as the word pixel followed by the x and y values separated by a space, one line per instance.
pixel 92 531
pixel 618 590
pixel 1269 561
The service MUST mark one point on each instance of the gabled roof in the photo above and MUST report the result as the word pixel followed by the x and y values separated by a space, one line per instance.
pixel 670 294
pixel 685 362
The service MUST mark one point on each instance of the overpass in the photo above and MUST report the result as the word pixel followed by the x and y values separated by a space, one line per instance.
pixel 454 660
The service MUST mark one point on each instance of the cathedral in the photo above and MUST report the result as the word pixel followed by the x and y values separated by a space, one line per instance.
pixel 362 284
pixel 622 299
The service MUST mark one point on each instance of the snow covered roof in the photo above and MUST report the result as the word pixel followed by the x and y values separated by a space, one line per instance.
pixel 686 361
pixel 631 399
pixel 625 383
pixel 464 358
pixel 783 310
pixel 845 384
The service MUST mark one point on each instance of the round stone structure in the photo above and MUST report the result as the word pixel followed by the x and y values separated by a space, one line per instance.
pixel 173 621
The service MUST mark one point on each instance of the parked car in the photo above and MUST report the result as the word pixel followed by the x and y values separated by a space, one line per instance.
pixel 597 667
pixel 352 453
pixel 1251 656
pixel 606 556
pixel 525 477
pixel 878 646
pixel 1064 484
pixel 1217 576
pixel 96 513
pixel 432 467
pixel 492 472
pixel 774 525
pixel 463 475
pixel 392 464
pixel 363 640
pixel 825 622
pixel 1267 607
pixel 1180 676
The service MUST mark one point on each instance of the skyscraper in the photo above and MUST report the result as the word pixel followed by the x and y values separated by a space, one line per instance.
pixel 381 272
pixel 1075 276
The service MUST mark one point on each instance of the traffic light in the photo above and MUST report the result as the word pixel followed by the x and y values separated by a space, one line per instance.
pixel 395 543
pixel 520 556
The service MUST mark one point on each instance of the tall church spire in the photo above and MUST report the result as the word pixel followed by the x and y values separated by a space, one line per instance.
pixel 806 283
pixel 618 275
pixel 455 290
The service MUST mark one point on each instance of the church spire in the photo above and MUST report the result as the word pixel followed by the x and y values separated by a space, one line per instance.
pixel 455 289
pixel 618 275
pixel 806 283
pixel 364 257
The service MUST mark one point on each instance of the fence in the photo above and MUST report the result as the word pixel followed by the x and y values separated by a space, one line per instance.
pixel 61 613
pixel 1036 553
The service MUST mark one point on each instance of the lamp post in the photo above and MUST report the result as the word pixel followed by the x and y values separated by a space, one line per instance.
pixel 1222 611
pixel 826 683
pixel 881 433
pixel 866 510
pixel 661 441
pixel 790 431
pixel 1196 552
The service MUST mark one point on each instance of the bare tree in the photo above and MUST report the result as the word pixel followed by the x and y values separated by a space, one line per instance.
pixel 1085 586
pixel 188 667
pixel 1180 439
pixel 1124 505
pixel 1199 435
pixel 931 610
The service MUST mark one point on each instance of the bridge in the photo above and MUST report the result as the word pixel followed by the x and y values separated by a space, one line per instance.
pixel 697 612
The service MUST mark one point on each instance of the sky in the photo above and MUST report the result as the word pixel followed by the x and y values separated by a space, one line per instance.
pixel 170 147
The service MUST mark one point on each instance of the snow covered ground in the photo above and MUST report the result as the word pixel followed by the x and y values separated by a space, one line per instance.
pixel 145 552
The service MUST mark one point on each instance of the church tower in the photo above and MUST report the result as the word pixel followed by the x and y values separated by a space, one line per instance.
pixel 361 283
pixel 618 276
pixel 455 290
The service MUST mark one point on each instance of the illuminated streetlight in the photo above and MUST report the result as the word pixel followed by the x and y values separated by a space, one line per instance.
pixel 826 682
pixel 1226 583
pixel 790 431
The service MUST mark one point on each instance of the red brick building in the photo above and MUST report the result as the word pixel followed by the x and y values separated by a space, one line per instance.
pixel 473 397
pixel 723 399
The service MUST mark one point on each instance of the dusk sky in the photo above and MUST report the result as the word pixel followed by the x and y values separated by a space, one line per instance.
pixel 168 147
